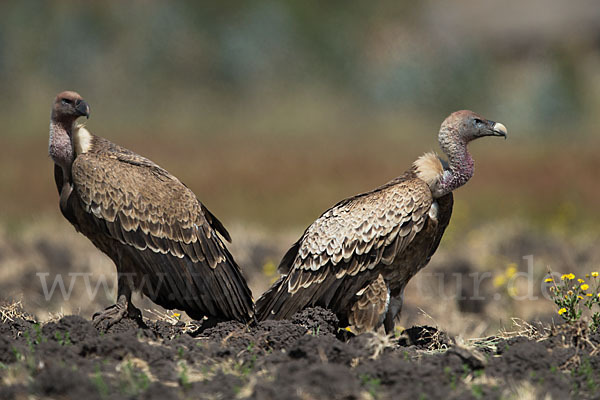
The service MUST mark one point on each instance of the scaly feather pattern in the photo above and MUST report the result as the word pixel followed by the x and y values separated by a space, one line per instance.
pixel 350 246
pixel 370 307
pixel 155 228
pixel 358 256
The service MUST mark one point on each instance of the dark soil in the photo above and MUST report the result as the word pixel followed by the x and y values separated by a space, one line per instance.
pixel 308 357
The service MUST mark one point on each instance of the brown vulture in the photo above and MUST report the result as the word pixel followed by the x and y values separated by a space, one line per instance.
pixel 358 256
pixel 163 240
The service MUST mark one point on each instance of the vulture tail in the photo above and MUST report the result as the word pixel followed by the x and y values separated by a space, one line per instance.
pixel 219 292
pixel 276 294
pixel 278 303
pixel 227 290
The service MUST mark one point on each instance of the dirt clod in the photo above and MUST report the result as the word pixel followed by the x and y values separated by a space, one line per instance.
pixel 300 358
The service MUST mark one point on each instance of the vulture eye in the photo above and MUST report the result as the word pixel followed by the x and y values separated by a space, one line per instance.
pixel 478 122
pixel 66 101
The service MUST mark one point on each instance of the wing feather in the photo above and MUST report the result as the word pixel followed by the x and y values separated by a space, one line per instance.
pixel 348 241
pixel 165 230
pixel 365 224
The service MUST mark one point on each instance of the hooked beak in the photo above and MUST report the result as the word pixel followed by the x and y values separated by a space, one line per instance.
pixel 83 109
pixel 497 129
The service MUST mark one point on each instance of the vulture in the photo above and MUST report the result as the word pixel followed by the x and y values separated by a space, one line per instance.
pixel 358 256
pixel 164 242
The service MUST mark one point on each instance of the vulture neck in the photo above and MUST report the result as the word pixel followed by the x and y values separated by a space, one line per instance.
pixel 60 147
pixel 67 140
pixel 460 163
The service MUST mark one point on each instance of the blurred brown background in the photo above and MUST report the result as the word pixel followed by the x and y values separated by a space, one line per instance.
pixel 273 111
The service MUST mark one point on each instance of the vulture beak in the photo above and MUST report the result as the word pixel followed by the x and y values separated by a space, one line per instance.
pixel 82 108
pixel 497 129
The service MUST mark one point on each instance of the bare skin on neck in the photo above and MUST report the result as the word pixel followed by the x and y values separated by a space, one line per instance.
pixel 456 132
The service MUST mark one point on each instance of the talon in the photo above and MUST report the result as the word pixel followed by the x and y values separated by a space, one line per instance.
pixel 103 320
pixel 113 314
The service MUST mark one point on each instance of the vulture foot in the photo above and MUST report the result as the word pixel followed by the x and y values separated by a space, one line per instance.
pixel 112 315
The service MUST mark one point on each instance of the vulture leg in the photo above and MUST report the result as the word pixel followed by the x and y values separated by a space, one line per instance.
pixel 124 308
pixel 394 309
pixel 371 306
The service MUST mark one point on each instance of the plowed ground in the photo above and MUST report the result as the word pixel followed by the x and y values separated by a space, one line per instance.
pixel 308 357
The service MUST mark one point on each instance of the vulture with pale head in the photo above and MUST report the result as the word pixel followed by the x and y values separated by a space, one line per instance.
pixel 163 240
pixel 358 256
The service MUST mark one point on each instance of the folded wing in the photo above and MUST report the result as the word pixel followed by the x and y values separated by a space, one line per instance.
pixel 165 233
pixel 345 249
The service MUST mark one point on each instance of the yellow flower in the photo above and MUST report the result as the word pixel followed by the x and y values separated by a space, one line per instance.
pixel 567 276
pixel 269 268
pixel 585 286
pixel 580 280
pixel 499 280
pixel 595 274
pixel 549 280
pixel 580 297
pixel 511 270
pixel 176 315
pixel 562 311
pixel 589 294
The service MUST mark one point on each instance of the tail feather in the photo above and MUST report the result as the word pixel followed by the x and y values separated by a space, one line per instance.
pixel 240 301
pixel 273 295
pixel 198 289
pixel 229 290
pixel 279 303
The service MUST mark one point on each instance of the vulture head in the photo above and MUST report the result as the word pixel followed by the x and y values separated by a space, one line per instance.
pixel 456 132
pixel 68 106
pixel 464 126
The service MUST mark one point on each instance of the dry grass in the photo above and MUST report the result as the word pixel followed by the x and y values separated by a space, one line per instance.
pixel 522 328
pixel 13 310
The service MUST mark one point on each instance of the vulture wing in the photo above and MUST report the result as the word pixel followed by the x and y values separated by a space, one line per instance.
pixel 336 256
pixel 167 235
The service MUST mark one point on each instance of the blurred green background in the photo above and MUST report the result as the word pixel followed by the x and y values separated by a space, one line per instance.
pixel 273 110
